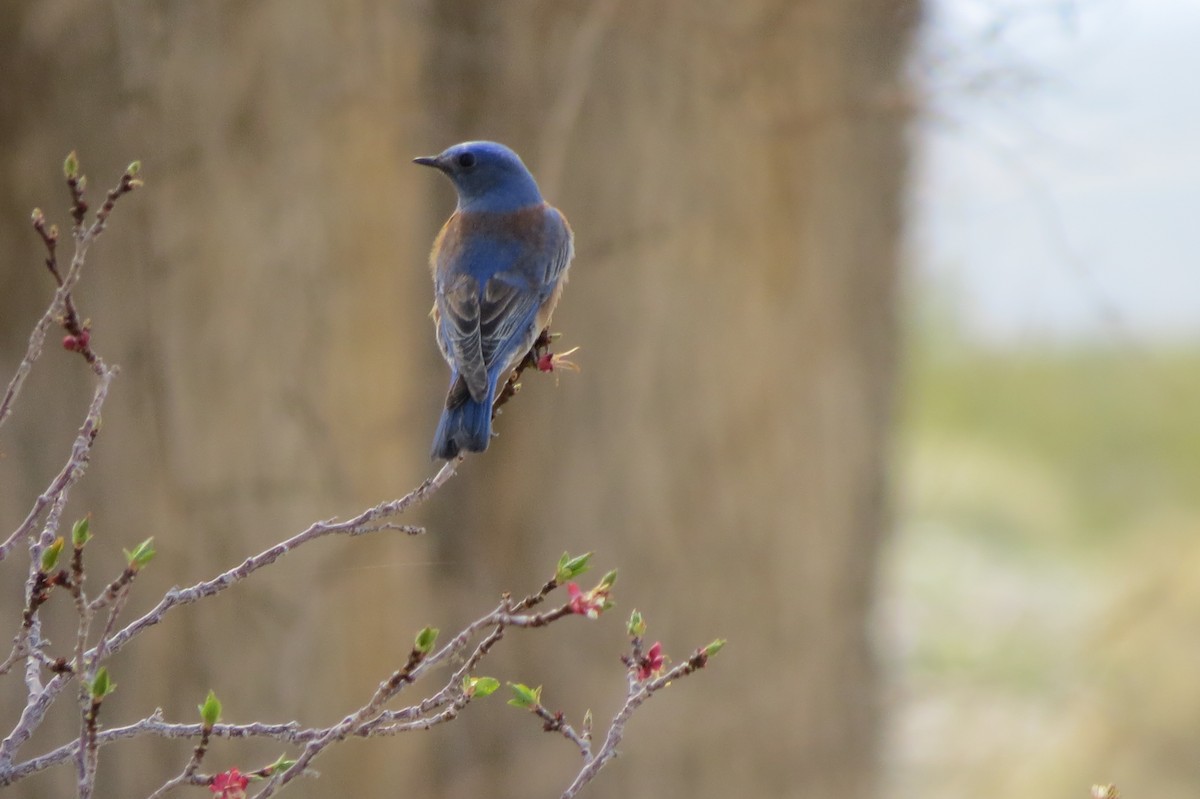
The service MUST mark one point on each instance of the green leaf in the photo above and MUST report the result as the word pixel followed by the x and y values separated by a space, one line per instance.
pixel 425 640
pixel 101 685
pixel 282 764
pixel 50 555
pixel 524 696
pixel 141 555
pixel 71 165
pixel 637 625
pixel 480 687
pixel 210 711
pixel 714 647
pixel 608 580
pixel 80 534
pixel 133 168
pixel 570 567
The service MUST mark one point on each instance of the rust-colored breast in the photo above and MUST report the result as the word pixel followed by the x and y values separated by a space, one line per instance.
pixel 513 234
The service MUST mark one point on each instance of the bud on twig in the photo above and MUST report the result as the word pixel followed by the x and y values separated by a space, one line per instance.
pixel 77 343
pixel 569 567
pixel 141 555
pixel 282 764
pixel 478 687
pixel 524 696
pixel 210 711
pixel 425 640
pixel 79 532
pixel 102 686
pixel 50 555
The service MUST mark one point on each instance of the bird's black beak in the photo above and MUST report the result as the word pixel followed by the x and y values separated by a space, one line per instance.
pixel 429 160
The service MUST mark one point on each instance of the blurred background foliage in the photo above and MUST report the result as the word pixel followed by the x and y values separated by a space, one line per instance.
pixel 1041 587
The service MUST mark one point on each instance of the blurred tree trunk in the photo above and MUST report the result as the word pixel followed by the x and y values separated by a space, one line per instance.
pixel 735 176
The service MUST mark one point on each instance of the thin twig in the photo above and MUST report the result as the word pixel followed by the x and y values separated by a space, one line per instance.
pixel 81 637
pixel 555 722
pixel 100 651
pixel 190 768
pixel 638 693
pixel 61 307
pixel 368 521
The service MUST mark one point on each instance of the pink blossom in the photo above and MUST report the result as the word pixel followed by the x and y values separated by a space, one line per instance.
pixel 230 784
pixel 651 663
pixel 549 361
pixel 585 604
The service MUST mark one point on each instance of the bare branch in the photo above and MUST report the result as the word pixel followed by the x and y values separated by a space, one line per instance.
pixel 370 520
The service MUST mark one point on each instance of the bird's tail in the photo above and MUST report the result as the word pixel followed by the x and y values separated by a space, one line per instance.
pixel 465 425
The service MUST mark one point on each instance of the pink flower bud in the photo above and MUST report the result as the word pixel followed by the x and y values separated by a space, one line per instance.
pixel 77 343
pixel 651 663
pixel 585 604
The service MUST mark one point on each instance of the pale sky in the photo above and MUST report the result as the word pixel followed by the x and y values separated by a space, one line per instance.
pixel 1057 185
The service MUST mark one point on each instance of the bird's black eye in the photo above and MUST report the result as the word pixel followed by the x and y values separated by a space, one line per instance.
pixel 466 160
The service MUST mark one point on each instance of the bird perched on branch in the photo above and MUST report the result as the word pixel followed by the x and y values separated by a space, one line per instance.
pixel 499 265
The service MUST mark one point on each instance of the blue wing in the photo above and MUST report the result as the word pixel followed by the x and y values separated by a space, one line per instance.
pixel 489 302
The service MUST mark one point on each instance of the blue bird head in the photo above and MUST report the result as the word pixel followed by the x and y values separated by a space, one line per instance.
pixel 488 176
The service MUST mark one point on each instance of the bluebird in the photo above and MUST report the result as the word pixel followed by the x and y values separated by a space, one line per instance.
pixel 499 265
